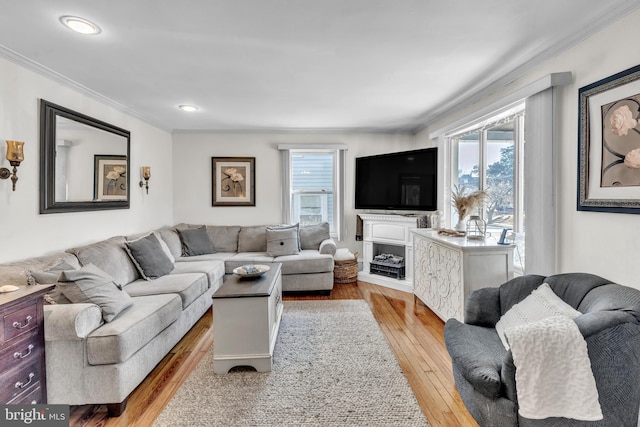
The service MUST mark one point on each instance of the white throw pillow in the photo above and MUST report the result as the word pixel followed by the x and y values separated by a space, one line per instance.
pixel 540 304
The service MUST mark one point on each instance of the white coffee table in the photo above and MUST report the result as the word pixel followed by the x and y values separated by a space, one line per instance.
pixel 246 319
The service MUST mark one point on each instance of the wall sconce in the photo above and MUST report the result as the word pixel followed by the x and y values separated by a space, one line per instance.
pixel 15 155
pixel 146 174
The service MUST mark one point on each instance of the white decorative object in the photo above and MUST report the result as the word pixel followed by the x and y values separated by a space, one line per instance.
pixel 448 269
pixel 251 270
pixel 553 371
pixel 539 305
pixel 476 228
pixel 246 321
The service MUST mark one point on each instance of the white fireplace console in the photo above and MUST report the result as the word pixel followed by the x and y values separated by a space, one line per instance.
pixel 388 234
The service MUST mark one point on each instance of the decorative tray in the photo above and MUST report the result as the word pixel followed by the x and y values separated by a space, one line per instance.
pixel 251 270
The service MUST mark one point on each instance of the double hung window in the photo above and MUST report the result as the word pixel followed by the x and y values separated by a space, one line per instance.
pixel 313 180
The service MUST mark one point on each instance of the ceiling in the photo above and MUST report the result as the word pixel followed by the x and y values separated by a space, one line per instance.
pixel 273 65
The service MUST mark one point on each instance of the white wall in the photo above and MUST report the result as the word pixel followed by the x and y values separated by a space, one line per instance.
pixel 600 243
pixel 23 231
pixel 192 174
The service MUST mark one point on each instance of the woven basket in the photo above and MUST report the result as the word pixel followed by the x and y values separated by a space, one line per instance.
pixel 346 271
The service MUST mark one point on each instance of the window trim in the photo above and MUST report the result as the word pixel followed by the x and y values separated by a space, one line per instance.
pixel 339 154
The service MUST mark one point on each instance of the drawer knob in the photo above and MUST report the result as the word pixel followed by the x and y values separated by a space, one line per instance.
pixel 19 325
pixel 19 355
pixel 23 385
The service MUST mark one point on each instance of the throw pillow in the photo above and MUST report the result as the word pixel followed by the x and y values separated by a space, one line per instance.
pixel 195 241
pixel 49 277
pixel 283 240
pixel 541 304
pixel 149 257
pixel 165 247
pixel 312 235
pixel 89 284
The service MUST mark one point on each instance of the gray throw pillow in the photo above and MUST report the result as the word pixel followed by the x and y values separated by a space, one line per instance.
pixel 283 240
pixel 149 257
pixel 49 277
pixel 312 235
pixel 89 284
pixel 195 241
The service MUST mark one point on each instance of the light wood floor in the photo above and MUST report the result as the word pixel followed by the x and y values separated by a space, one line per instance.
pixel 414 332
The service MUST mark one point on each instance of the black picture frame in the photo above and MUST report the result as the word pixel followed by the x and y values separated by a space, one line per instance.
pixel 233 181
pixel 609 144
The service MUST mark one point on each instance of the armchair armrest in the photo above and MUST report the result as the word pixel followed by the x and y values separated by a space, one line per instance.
pixel 328 246
pixel 483 307
pixel 597 321
pixel 70 321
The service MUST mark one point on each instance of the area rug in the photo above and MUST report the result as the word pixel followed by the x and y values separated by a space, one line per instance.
pixel 332 366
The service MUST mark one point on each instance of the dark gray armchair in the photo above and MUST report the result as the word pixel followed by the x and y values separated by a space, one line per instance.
pixel 484 371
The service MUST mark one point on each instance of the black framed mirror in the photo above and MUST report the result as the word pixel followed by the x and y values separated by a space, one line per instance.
pixel 84 162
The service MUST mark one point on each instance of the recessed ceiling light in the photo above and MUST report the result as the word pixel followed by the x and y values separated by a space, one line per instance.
pixel 188 108
pixel 80 25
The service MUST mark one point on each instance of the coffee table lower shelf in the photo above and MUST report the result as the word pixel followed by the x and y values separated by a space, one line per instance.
pixel 246 320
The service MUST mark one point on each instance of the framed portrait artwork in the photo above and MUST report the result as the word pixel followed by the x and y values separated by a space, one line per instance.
pixel 609 144
pixel 110 177
pixel 233 181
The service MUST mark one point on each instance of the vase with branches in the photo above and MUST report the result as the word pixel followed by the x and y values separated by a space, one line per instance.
pixel 465 202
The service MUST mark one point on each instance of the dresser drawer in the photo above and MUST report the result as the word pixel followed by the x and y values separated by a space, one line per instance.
pixel 20 321
pixel 18 381
pixel 21 352
pixel 32 396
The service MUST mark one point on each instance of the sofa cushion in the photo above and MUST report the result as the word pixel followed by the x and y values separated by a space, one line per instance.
pixel 312 235
pixel 188 285
pixel 541 304
pixel 283 240
pixel 89 284
pixel 218 256
pixel 307 261
pixel 224 238
pixel 172 239
pixel 109 256
pixel 252 239
pixel 195 241
pixel 117 341
pixel 149 257
pixel 243 258
pixel 214 269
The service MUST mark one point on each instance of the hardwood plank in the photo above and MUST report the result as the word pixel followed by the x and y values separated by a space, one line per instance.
pixel 415 334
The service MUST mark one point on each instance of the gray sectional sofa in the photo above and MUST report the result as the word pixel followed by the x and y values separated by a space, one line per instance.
pixel 120 305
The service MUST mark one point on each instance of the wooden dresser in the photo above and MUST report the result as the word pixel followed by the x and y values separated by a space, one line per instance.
pixel 22 359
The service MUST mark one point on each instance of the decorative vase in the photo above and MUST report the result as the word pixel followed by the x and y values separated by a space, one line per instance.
pixel 476 228
pixel 461 226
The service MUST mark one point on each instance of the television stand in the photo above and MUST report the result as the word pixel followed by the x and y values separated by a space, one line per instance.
pixel 388 234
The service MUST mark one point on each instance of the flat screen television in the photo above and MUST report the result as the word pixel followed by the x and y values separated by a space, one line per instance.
pixel 398 181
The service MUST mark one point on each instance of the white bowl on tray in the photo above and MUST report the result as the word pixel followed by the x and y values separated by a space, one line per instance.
pixel 251 270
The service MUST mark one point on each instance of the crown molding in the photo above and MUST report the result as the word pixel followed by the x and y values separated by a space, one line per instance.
pixel 480 91
pixel 38 68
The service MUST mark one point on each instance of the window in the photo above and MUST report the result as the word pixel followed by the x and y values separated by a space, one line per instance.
pixel 313 188
pixel 313 179
pixel 489 156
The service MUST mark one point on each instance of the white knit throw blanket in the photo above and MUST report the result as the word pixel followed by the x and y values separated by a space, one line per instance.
pixel 553 371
